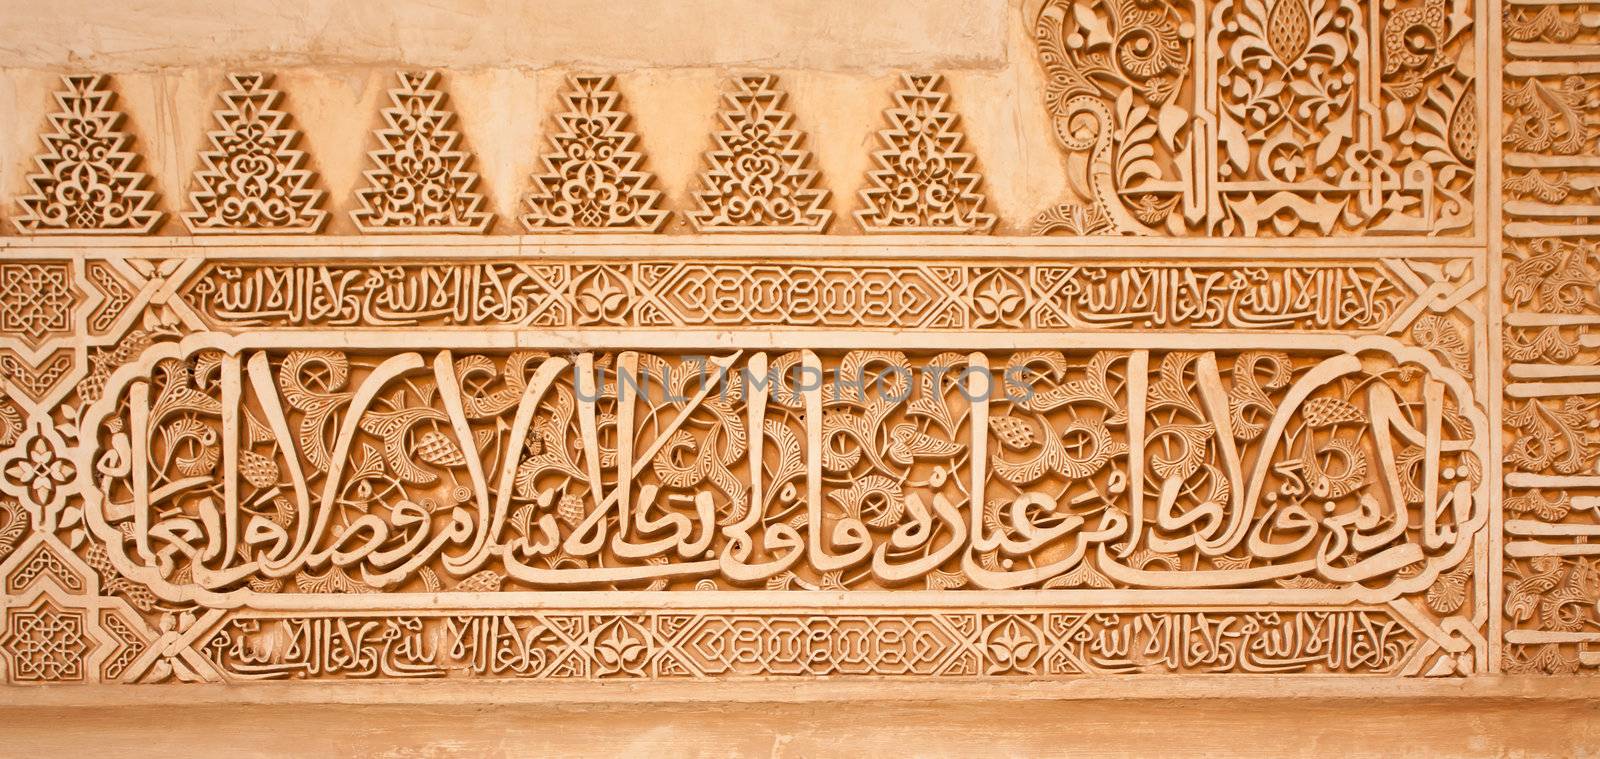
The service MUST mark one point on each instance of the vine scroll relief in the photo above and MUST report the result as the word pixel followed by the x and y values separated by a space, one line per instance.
pixel 1250 117
pixel 1549 139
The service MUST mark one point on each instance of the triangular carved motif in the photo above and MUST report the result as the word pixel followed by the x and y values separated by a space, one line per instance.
pixel 924 181
pixel 756 178
pixel 592 180
pixel 252 180
pixel 87 181
pixel 420 180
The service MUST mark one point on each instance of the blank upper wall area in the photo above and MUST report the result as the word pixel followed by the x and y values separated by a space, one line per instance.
pixel 838 35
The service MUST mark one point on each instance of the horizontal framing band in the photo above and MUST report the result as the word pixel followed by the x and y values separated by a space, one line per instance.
pixel 818 247
pixel 728 339
pixel 1177 600
pixel 1120 688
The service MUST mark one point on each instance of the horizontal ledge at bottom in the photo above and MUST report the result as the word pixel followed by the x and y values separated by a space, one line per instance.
pixel 877 689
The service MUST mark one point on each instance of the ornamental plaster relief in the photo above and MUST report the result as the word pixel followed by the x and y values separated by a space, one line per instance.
pixel 1208 338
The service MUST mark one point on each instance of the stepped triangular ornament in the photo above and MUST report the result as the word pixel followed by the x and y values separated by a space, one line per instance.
pixel 593 181
pixel 88 182
pixel 420 181
pixel 923 182
pixel 756 179
pixel 252 180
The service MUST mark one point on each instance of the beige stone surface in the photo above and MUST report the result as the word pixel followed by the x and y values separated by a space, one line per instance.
pixel 300 455
pixel 1149 717
pixel 492 723
pixel 813 34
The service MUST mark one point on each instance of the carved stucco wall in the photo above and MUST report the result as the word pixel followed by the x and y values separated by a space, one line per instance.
pixel 960 343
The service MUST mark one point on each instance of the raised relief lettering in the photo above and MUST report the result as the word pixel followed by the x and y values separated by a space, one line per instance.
pixel 944 438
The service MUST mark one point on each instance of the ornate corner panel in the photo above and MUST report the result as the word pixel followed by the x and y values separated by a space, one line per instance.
pixel 593 180
pixel 253 178
pixel 420 180
pixel 1263 117
pixel 88 180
